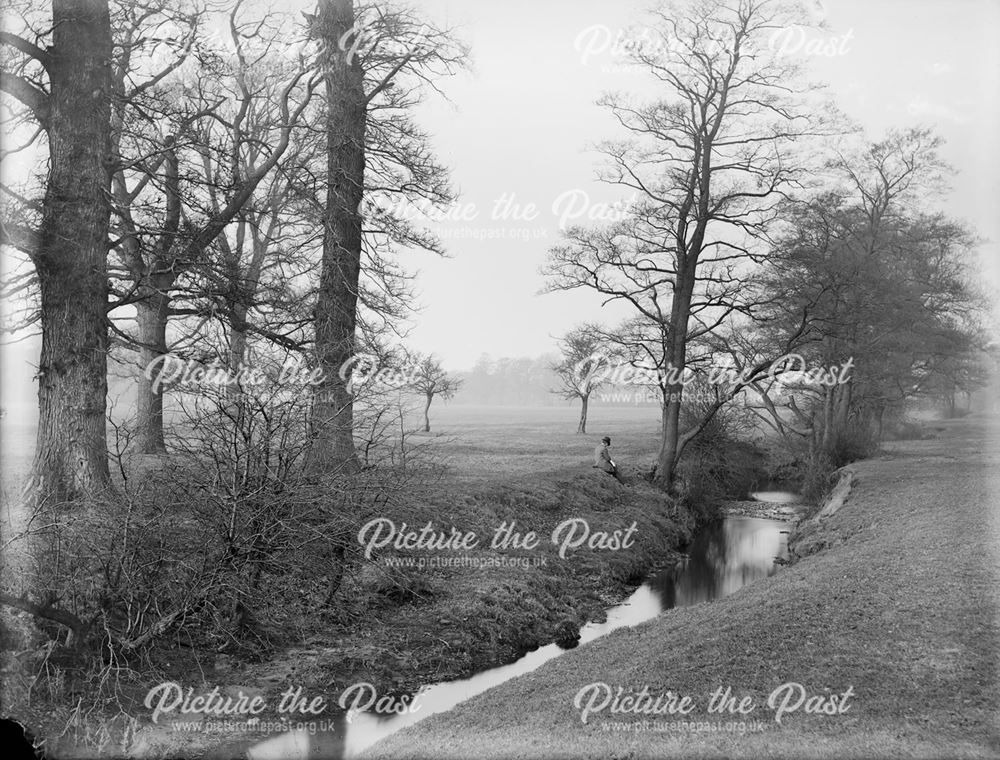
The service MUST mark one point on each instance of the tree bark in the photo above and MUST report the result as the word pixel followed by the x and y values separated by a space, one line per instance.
pixel 336 306
pixel 247 288
pixel 157 278
pixel 670 451
pixel 71 457
pixel 584 402
pixel 427 411
pixel 152 314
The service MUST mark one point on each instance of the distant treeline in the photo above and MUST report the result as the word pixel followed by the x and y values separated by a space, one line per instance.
pixel 526 381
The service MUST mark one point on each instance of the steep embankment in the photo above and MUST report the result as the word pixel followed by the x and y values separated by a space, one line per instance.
pixel 414 617
pixel 896 609
pixel 424 616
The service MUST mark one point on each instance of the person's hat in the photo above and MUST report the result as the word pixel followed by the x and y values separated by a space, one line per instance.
pixel 605 439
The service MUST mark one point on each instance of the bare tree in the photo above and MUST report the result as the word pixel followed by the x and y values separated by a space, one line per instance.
pixel 710 163
pixel 227 128
pixel 887 286
pixel 430 380
pixel 254 289
pixel 583 367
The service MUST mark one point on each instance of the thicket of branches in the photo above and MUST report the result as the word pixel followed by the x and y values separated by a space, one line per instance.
pixel 198 201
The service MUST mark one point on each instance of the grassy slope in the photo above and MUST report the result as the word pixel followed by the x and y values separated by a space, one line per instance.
pixel 902 606
pixel 457 621
pixel 526 465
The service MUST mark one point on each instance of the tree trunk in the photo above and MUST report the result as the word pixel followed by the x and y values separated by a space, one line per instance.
pixel 584 403
pixel 827 438
pixel 157 280
pixel 843 395
pixel 71 457
pixel 669 456
pixel 336 306
pixel 237 345
pixel 240 308
pixel 237 348
pixel 151 317
pixel 427 409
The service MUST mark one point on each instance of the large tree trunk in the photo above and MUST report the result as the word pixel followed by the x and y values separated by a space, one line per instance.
pixel 427 413
pixel 336 306
pixel 151 316
pixel 670 436
pixel 670 451
pixel 71 458
pixel 584 402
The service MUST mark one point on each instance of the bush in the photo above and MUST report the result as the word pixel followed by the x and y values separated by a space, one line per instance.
pixel 718 463
pixel 817 474
pixel 226 545
pixel 819 467
pixel 854 442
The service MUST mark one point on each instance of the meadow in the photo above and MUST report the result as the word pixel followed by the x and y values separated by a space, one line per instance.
pixel 475 443
pixel 481 443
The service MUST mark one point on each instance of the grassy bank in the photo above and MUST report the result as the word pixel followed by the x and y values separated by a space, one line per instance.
pixel 407 626
pixel 898 608
pixel 400 626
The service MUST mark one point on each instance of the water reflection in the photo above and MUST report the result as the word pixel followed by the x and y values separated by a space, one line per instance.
pixel 776 492
pixel 304 744
pixel 723 557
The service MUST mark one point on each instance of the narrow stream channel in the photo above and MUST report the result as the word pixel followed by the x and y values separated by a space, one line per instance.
pixel 724 557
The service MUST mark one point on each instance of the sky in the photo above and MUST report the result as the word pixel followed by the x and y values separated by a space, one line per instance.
pixel 519 129
pixel 523 124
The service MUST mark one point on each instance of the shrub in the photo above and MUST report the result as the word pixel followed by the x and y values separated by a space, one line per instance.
pixel 849 444
pixel 817 474
pixel 718 463
pixel 225 545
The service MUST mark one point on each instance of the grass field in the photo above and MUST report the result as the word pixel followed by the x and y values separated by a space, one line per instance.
pixel 477 442
pixel 900 606
pixel 481 443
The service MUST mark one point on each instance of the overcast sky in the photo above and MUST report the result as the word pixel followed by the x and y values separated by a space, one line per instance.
pixel 522 122
pixel 521 125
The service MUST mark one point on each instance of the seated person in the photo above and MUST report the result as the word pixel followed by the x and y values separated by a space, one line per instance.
pixel 603 460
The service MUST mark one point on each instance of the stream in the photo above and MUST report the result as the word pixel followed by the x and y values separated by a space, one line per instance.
pixel 723 557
